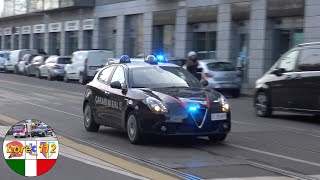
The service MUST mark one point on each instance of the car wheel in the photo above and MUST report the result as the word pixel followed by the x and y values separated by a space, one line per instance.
pixel 89 123
pixel 25 72
pixel 133 129
pixel 262 105
pixel 65 77
pixel 82 79
pixel 28 72
pixel 6 70
pixel 15 137
pixel 49 77
pixel 38 74
pixel 236 93
pixel 16 70
pixel 217 138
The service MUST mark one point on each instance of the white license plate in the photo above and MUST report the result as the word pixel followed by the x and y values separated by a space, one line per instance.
pixel 218 116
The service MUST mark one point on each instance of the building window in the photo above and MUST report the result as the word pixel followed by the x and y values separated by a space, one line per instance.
pixel 71 42
pixel 133 42
pixel 164 39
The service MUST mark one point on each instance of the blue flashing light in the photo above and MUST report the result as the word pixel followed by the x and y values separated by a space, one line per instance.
pixel 193 107
pixel 125 59
pixel 161 58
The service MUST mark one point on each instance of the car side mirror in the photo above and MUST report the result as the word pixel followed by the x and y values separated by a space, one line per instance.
pixel 204 82
pixel 199 70
pixel 117 85
pixel 278 72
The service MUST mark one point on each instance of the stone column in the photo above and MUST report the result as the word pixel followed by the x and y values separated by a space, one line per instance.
pixel 2 40
pixel 180 48
pixel 20 38
pixel 80 31
pixel 63 40
pixel 95 34
pixel 312 21
pixel 147 37
pixel 120 35
pixel 46 33
pixel 257 40
pixel 224 32
pixel 12 41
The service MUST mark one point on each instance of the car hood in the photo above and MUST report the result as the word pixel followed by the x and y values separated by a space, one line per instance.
pixel 182 94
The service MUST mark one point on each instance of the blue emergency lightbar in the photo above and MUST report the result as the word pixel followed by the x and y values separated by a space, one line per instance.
pixel 125 59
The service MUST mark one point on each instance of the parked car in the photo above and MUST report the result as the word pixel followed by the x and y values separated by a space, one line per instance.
pixel 292 83
pixel 15 56
pixel 25 61
pixel 42 131
pixel 221 75
pixel 53 67
pixel 3 58
pixel 84 64
pixel 35 63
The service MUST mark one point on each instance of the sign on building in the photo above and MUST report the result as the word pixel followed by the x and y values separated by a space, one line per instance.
pixel 7 31
pixel 55 27
pixel 71 25
pixel 26 29
pixel 88 24
pixel 39 28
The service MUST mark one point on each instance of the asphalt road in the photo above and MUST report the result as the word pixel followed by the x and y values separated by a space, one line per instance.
pixel 285 145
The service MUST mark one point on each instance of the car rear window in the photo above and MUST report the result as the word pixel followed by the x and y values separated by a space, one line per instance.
pixel 220 66
pixel 63 60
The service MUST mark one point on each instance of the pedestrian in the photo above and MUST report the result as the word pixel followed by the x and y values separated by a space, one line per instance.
pixel 41 51
pixel 192 64
pixel 58 52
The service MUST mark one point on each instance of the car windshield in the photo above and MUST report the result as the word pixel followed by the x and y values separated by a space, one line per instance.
pixel 160 77
pixel 63 60
pixel 220 66
pixel 18 127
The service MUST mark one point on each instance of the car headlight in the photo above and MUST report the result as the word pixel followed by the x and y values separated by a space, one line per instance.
pixel 156 106
pixel 225 105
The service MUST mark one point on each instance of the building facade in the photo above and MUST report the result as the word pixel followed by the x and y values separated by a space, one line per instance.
pixel 252 34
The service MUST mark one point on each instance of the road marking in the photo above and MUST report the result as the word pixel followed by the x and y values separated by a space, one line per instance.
pixel 116 161
pixel 256 178
pixel 45 107
pixel 285 127
pixel 44 95
pixel 272 154
pixel 39 87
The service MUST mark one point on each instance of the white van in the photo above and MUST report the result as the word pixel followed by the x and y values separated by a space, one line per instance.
pixel 84 64
pixel 15 57
pixel 3 58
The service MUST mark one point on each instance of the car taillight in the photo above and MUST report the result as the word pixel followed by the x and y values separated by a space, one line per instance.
pixel 56 67
pixel 208 75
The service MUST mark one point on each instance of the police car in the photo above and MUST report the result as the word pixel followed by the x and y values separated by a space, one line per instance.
pixel 149 97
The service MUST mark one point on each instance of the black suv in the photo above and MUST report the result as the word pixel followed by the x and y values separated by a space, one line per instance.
pixel 292 83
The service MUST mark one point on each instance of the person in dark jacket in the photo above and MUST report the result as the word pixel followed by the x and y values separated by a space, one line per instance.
pixel 192 64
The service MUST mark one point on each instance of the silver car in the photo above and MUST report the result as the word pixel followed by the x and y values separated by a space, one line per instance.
pixel 221 75
pixel 53 67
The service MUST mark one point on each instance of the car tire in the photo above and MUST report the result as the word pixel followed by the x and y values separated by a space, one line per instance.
pixel 25 73
pixel 65 77
pixel 88 119
pixel 6 70
pixel 49 77
pixel 38 74
pixel 16 70
pixel 15 137
pixel 236 93
pixel 82 79
pixel 28 72
pixel 217 138
pixel 133 129
pixel 262 105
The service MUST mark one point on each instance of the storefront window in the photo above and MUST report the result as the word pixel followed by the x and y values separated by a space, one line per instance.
pixel 164 39
pixel 7 42
pixel 71 42
pixel 38 41
pixel 16 42
pixel 54 43
pixel 108 33
pixel 134 35
pixel 25 41
pixel 87 39
pixel 205 44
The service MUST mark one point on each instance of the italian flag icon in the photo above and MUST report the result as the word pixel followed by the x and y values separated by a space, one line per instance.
pixel 30 158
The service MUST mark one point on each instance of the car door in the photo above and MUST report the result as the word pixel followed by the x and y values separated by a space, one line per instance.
pixel 117 96
pixel 71 68
pixel 101 94
pixel 44 68
pixel 308 80
pixel 281 86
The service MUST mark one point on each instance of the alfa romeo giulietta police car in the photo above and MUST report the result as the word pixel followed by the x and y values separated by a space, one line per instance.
pixel 154 98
